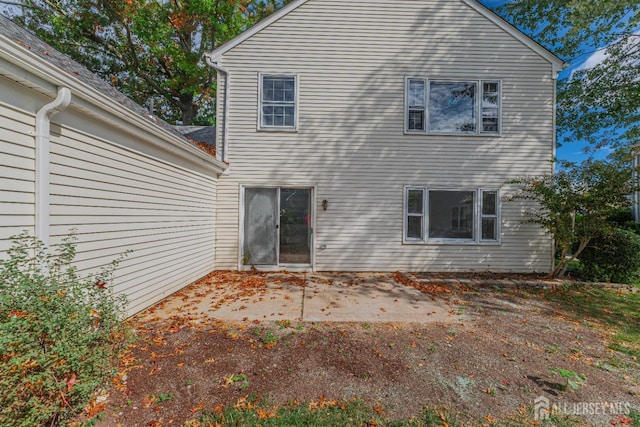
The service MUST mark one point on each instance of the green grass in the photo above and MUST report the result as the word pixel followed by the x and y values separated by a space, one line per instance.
pixel 616 310
pixel 356 414
pixel 324 413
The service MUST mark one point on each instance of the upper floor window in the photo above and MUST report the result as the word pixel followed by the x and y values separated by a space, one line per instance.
pixel 452 107
pixel 278 102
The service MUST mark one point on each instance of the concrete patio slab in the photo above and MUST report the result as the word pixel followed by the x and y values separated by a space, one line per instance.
pixel 369 297
pixel 311 297
pixel 278 299
pixel 275 302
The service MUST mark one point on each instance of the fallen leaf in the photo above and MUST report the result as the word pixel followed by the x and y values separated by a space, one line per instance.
pixel 71 382
pixel 200 407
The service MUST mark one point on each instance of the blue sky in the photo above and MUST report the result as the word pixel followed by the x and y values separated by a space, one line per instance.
pixel 573 151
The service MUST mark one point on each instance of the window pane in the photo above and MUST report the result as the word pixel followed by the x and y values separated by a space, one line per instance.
pixel 416 93
pixel 490 101
pixel 489 229
pixel 416 120
pixel 278 115
pixel 490 124
pixel 414 227
pixel 452 107
pixel 267 115
pixel 489 199
pixel 289 116
pixel 451 214
pixel 290 90
pixel 490 87
pixel 415 201
pixel 268 91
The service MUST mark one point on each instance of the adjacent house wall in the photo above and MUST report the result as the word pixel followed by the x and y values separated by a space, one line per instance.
pixel 117 188
pixel 17 176
pixel 352 58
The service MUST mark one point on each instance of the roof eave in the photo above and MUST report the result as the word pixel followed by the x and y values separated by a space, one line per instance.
pixel 27 60
pixel 224 48
pixel 557 63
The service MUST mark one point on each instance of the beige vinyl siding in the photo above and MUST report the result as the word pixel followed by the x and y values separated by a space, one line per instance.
pixel 120 200
pixel 352 58
pixel 17 177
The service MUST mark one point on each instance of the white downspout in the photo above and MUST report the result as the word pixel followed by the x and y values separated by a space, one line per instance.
pixel 225 128
pixel 43 137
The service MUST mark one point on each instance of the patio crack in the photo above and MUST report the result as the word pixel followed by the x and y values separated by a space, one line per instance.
pixel 304 294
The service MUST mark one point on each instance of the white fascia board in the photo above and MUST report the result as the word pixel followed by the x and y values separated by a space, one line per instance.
pixel 557 63
pixel 33 64
pixel 221 50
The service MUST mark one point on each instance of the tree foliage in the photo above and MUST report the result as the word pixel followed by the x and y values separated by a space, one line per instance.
pixel 599 103
pixel 576 204
pixel 151 50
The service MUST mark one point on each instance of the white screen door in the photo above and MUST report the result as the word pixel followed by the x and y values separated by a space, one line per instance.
pixel 277 226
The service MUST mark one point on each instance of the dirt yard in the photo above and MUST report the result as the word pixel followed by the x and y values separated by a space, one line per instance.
pixel 503 349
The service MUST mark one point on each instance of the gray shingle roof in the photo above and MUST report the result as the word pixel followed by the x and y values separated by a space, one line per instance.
pixel 63 62
pixel 204 134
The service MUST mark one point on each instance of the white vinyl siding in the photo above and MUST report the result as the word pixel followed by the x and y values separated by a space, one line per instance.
pixel 352 58
pixel 121 200
pixel 117 198
pixel 17 177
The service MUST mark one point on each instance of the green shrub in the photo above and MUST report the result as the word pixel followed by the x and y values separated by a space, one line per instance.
pixel 621 216
pixel 60 334
pixel 614 257
pixel 633 226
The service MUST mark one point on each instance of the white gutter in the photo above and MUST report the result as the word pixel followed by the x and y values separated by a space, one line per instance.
pixel 43 138
pixel 225 127
pixel 25 59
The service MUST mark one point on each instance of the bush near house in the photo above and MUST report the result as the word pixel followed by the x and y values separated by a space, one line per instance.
pixel 613 257
pixel 581 205
pixel 60 334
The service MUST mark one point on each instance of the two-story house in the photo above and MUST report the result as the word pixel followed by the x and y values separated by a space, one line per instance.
pixel 380 135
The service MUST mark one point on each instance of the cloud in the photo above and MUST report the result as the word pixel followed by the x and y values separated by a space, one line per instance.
pixel 599 56
pixel 592 61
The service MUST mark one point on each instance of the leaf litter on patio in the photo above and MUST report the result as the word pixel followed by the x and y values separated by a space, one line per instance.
pixel 486 367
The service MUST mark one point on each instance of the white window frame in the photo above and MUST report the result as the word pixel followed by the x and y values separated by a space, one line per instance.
pixel 408 108
pixel 482 216
pixel 478 107
pixel 407 214
pixel 482 109
pixel 476 220
pixel 260 125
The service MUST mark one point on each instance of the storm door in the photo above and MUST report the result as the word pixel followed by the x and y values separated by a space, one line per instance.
pixel 277 227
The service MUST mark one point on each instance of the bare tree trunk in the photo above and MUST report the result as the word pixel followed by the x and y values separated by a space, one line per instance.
pixel 562 266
